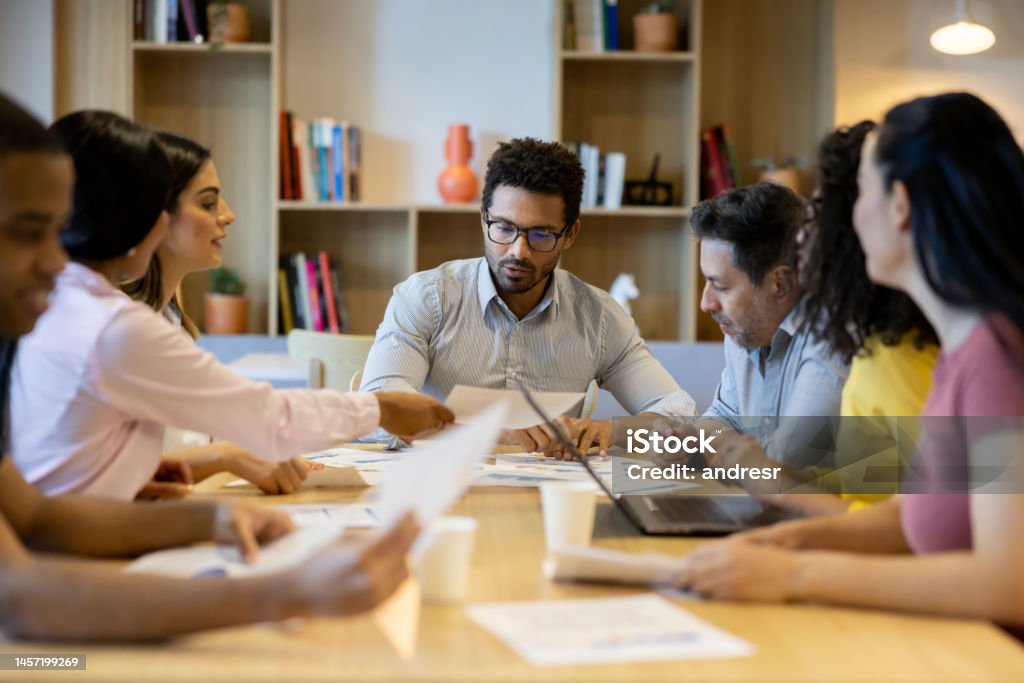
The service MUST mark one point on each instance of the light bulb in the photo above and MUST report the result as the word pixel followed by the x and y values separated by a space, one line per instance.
pixel 963 38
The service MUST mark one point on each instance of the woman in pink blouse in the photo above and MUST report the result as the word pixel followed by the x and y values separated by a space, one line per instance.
pixel 199 218
pixel 941 196
pixel 101 376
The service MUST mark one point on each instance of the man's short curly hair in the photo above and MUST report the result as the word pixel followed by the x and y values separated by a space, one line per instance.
pixel 537 166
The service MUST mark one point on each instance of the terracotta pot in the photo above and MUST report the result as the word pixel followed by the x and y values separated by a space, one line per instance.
pixel 655 32
pixel 787 177
pixel 228 22
pixel 457 183
pixel 226 314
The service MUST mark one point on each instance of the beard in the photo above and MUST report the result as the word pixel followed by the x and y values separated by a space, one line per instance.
pixel 746 332
pixel 531 277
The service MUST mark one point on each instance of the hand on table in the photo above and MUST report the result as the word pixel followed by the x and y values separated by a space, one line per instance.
pixel 272 477
pixel 734 570
pixel 248 527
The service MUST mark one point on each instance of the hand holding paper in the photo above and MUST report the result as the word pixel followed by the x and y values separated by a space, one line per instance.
pixel 467 403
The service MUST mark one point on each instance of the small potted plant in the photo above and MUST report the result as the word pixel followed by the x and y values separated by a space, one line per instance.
pixel 228 21
pixel 655 28
pixel 227 307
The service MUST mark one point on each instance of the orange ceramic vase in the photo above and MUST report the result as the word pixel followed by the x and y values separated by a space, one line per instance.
pixel 457 183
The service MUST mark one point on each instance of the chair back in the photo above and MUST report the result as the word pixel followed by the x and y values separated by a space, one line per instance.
pixel 331 360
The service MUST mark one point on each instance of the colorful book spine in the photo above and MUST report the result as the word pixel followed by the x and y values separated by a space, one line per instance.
pixel 284 157
pixel 339 298
pixel 302 285
pixel 728 174
pixel 333 324
pixel 355 151
pixel 337 163
pixel 188 10
pixel 284 301
pixel 314 297
pixel 611 24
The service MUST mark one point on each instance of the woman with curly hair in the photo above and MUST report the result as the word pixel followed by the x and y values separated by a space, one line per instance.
pixel 880 331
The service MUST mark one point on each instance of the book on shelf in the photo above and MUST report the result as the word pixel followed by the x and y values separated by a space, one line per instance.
pixel 589 19
pixel 604 176
pixel 284 154
pixel 344 323
pixel 188 24
pixel 311 294
pixel 172 21
pixel 317 321
pixel 139 19
pixel 354 162
pixel 719 170
pixel 614 179
pixel 611 24
pixel 330 304
pixel 319 160
pixel 284 295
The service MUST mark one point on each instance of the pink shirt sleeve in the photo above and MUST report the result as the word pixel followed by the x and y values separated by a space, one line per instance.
pixel 148 369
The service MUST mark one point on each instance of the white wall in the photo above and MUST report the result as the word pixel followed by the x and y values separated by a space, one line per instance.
pixel 883 57
pixel 26 54
pixel 405 69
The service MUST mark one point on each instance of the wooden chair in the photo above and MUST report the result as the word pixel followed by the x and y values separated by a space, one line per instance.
pixel 589 400
pixel 333 361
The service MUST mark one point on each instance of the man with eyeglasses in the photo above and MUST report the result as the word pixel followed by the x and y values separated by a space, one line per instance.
pixel 512 314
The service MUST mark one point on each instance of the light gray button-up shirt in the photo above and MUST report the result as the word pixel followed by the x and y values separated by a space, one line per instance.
pixel 448 326
pixel 796 377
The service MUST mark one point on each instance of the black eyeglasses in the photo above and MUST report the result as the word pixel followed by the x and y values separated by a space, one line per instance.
pixel 539 239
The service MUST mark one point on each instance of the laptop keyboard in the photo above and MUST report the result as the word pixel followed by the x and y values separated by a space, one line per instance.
pixel 688 509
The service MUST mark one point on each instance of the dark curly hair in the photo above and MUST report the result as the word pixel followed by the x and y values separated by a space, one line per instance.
pixel 760 222
pixel 842 305
pixel 536 166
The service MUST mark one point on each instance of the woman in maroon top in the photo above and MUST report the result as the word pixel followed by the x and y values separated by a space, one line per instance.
pixel 941 200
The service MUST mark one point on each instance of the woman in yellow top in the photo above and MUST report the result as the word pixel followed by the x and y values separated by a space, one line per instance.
pixel 891 346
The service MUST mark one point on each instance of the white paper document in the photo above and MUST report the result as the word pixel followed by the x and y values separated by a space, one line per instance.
pixel 579 563
pixel 328 477
pixel 605 631
pixel 431 477
pixel 213 560
pixel 267 366
pixel 350 516
pixel 468 402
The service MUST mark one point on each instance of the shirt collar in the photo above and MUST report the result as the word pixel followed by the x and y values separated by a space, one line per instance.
pixel 487 292
pixel 788 328
pixel 86 278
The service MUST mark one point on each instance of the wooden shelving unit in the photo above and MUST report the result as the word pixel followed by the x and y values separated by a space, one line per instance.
pixel 303 57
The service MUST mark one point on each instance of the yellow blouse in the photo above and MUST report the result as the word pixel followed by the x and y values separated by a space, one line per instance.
pixel 892 382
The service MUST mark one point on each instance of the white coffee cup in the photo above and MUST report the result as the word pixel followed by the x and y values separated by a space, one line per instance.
pixel 442 567
pixel 568 508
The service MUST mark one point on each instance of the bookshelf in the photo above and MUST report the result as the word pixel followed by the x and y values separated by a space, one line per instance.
pixel 643 104
pixel 229 98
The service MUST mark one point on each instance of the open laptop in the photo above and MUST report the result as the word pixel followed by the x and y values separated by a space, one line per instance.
pixel 679 514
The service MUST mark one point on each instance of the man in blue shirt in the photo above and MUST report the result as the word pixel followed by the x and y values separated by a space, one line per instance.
pixel 774 366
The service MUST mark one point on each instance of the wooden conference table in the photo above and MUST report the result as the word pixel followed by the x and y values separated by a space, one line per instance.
pixel 794 642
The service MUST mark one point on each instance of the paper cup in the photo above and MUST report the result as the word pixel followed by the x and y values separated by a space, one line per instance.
pixel 568 512
pixel 443 565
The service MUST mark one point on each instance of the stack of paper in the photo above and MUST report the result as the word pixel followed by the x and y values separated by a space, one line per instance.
pixel 605 631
